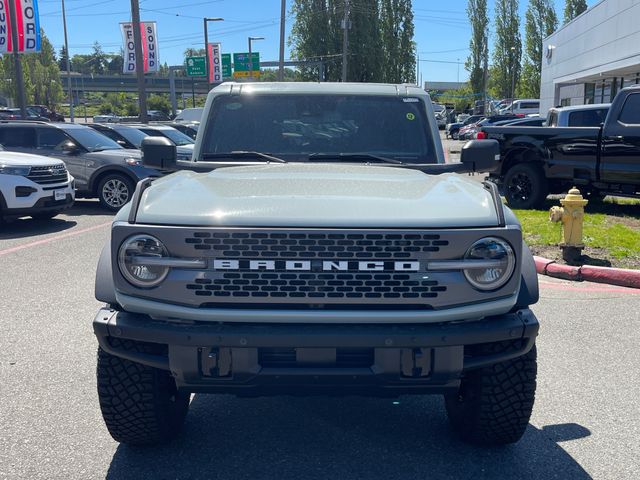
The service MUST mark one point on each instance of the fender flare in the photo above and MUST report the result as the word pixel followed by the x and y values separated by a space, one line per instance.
pixel 529 291
pixel 104 287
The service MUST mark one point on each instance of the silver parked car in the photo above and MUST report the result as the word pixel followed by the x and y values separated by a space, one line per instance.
pixel 100 166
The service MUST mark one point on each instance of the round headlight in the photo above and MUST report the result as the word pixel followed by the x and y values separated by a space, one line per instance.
pixel 131 260
pixel 496 263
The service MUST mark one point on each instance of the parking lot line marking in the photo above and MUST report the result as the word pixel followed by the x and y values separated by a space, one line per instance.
pixel 589 288
pixel 6 251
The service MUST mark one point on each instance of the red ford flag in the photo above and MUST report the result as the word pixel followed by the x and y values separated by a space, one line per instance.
pixel 150 56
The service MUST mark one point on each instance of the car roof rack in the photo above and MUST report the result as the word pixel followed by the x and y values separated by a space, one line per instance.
pixel 39 122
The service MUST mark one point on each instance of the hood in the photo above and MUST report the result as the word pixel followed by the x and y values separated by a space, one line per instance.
pixel 317 195
pixel 27 159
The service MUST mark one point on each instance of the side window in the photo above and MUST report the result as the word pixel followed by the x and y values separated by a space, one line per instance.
pixel 24 137
pixel 530 105
pixel 51 138
pixel 631 110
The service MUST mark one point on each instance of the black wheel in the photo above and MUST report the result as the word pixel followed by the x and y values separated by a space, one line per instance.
pixel 494 404
pixel 46 215
pixel 454 134
pixel 140 405
pixel 114 191
pixel 525 186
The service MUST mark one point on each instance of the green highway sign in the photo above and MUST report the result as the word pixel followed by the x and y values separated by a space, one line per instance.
pixel 241 62
pixel 196 67
pixel 226 65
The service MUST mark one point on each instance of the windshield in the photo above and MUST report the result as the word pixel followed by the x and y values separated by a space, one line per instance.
pixel 92 140
pixel 172 134
pixel 296 126
pixel 133 135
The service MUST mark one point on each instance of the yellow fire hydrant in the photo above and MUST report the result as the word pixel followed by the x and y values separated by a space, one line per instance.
pixel 571 214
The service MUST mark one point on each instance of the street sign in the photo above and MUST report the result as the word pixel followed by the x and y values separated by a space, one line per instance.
pixel 241 62
pixel 196 67
pixel 236 74
pixel 226 65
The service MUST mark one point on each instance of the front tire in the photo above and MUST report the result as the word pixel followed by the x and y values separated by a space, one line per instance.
pixel 525 186
pixel 140 405
pixel 114 191
pixel 494 404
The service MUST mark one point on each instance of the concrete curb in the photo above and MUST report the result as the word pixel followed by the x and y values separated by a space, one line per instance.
pixel 612 276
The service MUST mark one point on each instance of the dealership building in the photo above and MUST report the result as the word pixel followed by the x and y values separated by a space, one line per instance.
pixel 592 57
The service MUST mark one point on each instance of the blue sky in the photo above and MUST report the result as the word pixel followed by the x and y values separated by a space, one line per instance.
pixel 442 29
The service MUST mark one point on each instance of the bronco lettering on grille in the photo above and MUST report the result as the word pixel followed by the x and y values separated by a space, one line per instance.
pixel 316 265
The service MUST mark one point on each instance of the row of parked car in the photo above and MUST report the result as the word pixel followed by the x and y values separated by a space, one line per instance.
pixel 44 166
pixel 574 116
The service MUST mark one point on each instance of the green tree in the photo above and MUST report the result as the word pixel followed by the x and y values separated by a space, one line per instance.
pixel 398 47
pixel 381 46
pixel 540 22
pixel 507 48
pixel 98 60
pixel 478 45
pixel 316 35
pixel 41 75
pixel 62 60
pixel 160 102
pixel 116 63
pixel 573 8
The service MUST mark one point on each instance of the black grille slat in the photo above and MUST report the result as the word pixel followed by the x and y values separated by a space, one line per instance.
pixel 48 175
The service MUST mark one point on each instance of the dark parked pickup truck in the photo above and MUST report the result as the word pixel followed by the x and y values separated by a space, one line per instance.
pixel 601 160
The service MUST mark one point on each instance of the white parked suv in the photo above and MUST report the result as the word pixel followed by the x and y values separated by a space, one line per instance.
pixel 33 185
pixel 525 106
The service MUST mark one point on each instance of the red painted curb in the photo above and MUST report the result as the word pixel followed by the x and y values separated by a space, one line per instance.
pixel 611 276
pixel 563 271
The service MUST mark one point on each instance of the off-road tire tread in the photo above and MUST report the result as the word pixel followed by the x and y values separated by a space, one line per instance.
pixel 140 404
pixel 494 404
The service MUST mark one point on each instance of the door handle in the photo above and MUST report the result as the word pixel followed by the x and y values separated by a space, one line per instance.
pixel 617 138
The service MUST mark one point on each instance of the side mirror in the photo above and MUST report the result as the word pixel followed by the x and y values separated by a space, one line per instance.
pixel 159 153
pixel 481 155
pixel 70 147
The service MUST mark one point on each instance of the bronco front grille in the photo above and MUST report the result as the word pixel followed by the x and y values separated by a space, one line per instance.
pixel 316 286
pixel 314 245
pixel 48 175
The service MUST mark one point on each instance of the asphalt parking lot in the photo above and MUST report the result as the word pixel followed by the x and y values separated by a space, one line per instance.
pixel 586 420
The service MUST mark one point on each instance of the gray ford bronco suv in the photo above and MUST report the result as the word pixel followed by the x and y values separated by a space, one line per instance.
pixel 317 243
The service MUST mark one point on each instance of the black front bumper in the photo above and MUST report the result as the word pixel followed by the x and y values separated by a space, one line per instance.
pixel 44 204
pixel 253 360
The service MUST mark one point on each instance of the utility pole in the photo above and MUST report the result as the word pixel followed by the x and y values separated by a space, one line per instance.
pixel 283 12
pixel 485 81
pixel 22 102
pixel 345 40
pixel 66 47
pixel 513 76
pixel 137 39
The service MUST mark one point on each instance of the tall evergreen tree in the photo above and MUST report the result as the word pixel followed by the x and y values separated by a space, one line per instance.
pixel 381 43
pixel 507 48
pixel 62 60
pixel 573 8
pixel 479 43
pixel 398 47
pixel 540 22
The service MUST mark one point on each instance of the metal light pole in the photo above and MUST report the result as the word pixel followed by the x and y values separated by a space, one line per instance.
pixel 283 12
pixel 513 76
pixel 66 47
pixel 205 21
pixel 251 39
pixel 458 64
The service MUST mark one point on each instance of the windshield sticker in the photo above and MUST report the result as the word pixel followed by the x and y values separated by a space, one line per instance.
pixel 411 116
pixel 410 100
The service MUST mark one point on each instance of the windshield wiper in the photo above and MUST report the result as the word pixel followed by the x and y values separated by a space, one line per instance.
pixel 354 156
pixel 239 154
